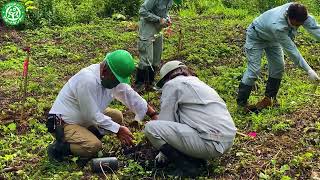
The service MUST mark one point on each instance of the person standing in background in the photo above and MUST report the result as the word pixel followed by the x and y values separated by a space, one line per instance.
pixel 153 18
pixel 273 32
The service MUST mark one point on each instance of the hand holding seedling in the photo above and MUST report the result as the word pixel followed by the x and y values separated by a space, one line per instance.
pixel 125 136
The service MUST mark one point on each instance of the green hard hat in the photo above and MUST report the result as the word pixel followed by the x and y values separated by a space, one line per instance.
pixel 166 69
pixel 177 1
pixel 121 64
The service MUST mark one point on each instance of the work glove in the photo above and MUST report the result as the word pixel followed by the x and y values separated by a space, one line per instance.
pixel 313 76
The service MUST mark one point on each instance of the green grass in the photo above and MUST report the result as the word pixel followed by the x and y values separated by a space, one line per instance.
pixel 212 44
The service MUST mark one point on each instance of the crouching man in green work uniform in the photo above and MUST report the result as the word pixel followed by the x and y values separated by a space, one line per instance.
pixel 273 32
pixel 194 123
pixel 79 117
pixel 153 17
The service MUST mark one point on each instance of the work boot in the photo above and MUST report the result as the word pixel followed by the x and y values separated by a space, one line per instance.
pixel 185 166
pixel 151 73
pixel 266 102
pixel 271 92
pixel 272 88
pixel 58 150
pixel 243 96
pixel 140 80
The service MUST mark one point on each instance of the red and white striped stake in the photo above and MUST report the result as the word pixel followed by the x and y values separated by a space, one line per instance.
pixel 25 84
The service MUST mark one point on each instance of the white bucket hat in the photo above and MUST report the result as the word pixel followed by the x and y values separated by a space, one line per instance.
pixel 166 68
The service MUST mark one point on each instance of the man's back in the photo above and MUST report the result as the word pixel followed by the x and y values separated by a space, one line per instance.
pixel 271 21
pixel 67 102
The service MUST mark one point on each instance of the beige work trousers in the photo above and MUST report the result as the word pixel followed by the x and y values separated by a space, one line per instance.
pixel 84 143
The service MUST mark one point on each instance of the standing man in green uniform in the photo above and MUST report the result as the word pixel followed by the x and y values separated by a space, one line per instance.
pixel 154 17
pixel 273 32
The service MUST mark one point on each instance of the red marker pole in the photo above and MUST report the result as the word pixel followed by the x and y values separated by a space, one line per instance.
pixel 25 81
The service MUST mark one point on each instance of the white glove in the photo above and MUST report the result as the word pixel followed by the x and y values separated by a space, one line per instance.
pixel 313 76
pixel 161 158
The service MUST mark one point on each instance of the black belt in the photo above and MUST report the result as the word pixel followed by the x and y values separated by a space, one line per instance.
pixel 53 121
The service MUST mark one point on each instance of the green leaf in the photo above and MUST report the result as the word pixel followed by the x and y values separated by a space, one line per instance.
pixel 239 154
pixel 285 178
pixel 12 127
pixel 308 155
pixel 100 154
pixel 74 159
pixel 263 176
pixel 8 157
pixel 28 3
pixel 31 8
pixel 284 168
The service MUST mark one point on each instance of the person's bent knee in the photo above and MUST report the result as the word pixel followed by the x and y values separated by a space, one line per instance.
pixel 149 128
pixel 89 149
pixel 93 147
pixel 152 133
pixel 277 74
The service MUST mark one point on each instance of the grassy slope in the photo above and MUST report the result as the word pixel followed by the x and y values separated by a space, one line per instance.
pixel 287 144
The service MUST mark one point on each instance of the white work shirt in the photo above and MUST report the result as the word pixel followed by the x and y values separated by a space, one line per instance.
pixel 83 100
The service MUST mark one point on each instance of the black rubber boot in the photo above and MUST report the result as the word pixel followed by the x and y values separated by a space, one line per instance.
pixel 272 88
pixel 150 76
pixel 185 166
pixel 58 150
pixel 243 94
pixel 140 80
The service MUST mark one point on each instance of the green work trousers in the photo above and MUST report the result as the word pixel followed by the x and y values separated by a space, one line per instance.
pixel 150 51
